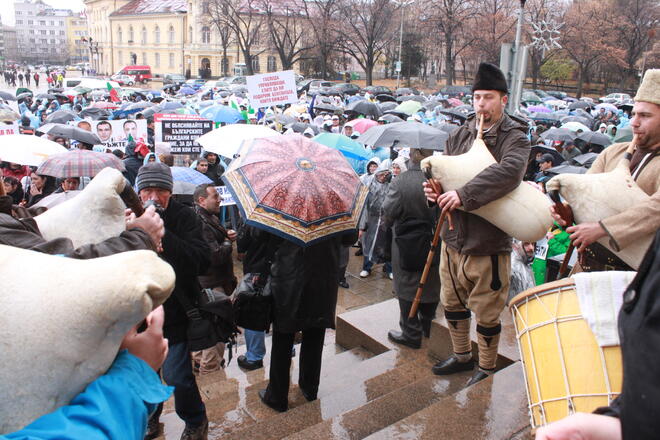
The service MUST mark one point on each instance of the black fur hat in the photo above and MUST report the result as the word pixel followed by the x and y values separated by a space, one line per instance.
pixel 489 77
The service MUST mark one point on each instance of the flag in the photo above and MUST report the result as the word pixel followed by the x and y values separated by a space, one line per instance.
pixel 114 96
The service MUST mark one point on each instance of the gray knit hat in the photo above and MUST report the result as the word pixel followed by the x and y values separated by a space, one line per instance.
pixel 155 175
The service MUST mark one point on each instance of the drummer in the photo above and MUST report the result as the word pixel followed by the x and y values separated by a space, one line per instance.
pixel 475 261
pixel 643 219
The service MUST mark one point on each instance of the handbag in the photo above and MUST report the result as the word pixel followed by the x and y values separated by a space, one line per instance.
pixel 253 302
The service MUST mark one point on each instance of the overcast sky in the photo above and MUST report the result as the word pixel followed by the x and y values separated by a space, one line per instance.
pixel 7 8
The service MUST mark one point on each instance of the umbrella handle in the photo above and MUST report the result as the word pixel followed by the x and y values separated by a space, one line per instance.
pixel 132 200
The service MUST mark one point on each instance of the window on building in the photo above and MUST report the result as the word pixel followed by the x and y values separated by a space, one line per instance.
pixel 205 7
pixel 157 59
pixel 171 35
pixel 190 34
pixel 19 21
pixel 32 31
pixel 206 35
pixel 30 22
pixel 131 35
pixel 52 22
pixel 19 12
pixel 120 35
pixel 144 58
pixel 53 41
pixel 43 41
pixel 42 32
pixel 32 40
pixel 157 35
pixel 52 32
pixel 53 49
pixel 60 23
pixel 120 58
pixel 224 66
pixel 171 64
pixel 255 64
pixel 272 64
pixel 42 22
pixel 144 35
pixel 61 32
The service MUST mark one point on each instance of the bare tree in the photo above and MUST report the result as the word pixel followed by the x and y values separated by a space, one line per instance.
pixel 323 19
pixel 216 16
pixel 246 22
pixel 452 20
pixel 287 26
pixel 538 11
pixel 368 30
pixel 495 22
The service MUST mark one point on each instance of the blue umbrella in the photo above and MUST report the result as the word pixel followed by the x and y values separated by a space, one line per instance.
pixel 347 146
pixel 169 105
pixel 186 91
pixel 184 174
pixel 222 113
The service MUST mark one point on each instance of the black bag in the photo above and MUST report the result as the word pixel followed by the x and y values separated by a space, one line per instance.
pixel 253 302
pixel 414 238
pixel 218 305
pixel 201 331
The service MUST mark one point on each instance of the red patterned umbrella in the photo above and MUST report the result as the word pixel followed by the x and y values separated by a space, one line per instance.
pixel 295 188
pixel 79 163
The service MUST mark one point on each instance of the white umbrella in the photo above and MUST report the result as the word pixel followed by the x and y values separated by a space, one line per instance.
pixel 227 140
pixel 26 149
pixel 575 126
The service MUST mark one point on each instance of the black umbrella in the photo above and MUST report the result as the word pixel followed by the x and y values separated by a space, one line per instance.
pixel 281 118
pixel 322 106
pixel 365 108
pixel 45 96
pixel 56 90
pixel 447 128
pixel 403 116
pixel 580 119
pixel 578 104
pixel 390 118
pixel 61 117
pixel 7 96
pixel 94 113
pixel 566 169
pixel 595 137
pixel 547 117
pixel 404 91
pixel 558 134
pixel 454 113
pixel 61 96
pixel 417 98
pixel 544 149
pixel 386 106
pixel 70 132
pixel 585 160
pixel 385 98
pixel 139 105
pixel 405 134
pixel 300 127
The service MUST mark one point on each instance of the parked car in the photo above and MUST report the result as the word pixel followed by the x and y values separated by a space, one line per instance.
pixel 455 91
pixel 235 80
pixel 317 86
pixel 557 94
pixel 529 98
pixel 542 94
pixel 173 78
pixel 196 83
pixel 378 90
pixel 217 85
pixel 123 80
pixel 344 89
pixel 615 98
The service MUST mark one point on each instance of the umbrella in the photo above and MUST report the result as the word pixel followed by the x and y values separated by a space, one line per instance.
pixel 7 96
pixel 61 116
pixel 596 138
pixel 94 113
pixel 185 174
pixel 447 128
pixel 544 149
pixel 56 198
pixel 44 96
pixel 624 134
pixel 580 119
pixel 548 117
pixel 455 114
pixel 8 115
pixel 403 91
pixel 22 90
pixel 365 108
pixel 385 106
pixel 323 106
pixel 296 188
pixel 566 169
pixel 184 188
pixel 538 109
pixel 105 105
pixel 281 118
pixel 222 113
pixel 558 134
pixel 362 125
pixel 408 107
pixel 346 145
pixel 300 127
pixel 80 89
pixel 78 163
pixel 417 98
pixel 583 114
pixel 27 149
pixel 578 104
pixel 556 103
pixel 227 140
pixel 585 160
pixel 23 95
pixel 607 107
pixel 186 91
pixel 70 132
pixel 168 105
pixel 455 102
pixel 575 126
pixel 405 134
pixel 385 98
pixel 139 105
pixel 390 118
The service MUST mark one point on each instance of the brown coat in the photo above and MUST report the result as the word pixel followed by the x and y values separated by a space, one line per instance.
pixel 642 220
pixel 508 142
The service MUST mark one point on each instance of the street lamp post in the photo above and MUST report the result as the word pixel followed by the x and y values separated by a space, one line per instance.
pixel 402 5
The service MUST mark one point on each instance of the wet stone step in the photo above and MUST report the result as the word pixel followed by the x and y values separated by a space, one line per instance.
pixel 493 409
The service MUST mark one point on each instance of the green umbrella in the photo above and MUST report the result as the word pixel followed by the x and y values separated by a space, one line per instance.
pixel 624 134
pixel 408 107
pixel 23 90
pixel 82 90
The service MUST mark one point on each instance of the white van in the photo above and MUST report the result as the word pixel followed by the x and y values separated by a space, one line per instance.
pixel 90 83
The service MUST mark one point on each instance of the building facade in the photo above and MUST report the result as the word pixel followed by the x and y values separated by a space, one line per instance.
pixel 41 32
pixel 10 43
pixel 76 36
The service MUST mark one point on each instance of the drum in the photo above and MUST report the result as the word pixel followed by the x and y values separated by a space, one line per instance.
pixel 565 369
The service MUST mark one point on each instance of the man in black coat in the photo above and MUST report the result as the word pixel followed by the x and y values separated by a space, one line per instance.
pixel 185 249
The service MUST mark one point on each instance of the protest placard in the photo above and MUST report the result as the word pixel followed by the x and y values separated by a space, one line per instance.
pixel 226 198
pixel 275 88
pixel 9 128
pixel 114 133
pixel 181 132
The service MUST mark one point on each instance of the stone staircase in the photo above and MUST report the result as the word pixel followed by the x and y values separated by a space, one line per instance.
pixel 371 388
